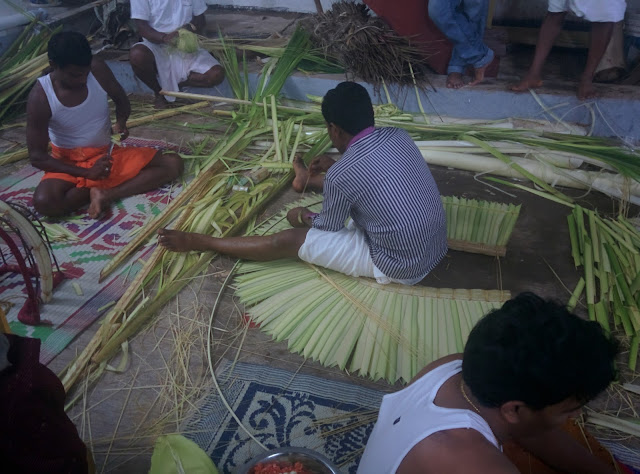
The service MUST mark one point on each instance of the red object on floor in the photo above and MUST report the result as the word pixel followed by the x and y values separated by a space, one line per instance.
pixel 247 320
pixel 410 18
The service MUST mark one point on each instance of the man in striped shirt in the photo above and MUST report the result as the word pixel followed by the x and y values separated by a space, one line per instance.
pixel 397 228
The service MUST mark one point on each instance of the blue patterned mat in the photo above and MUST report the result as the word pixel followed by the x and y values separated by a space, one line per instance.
pixel 281 408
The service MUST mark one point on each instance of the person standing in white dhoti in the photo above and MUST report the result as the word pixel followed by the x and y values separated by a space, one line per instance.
pixel 601 13
pixel 156 62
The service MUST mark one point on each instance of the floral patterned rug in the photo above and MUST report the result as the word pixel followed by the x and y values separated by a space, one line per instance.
pixel 80 299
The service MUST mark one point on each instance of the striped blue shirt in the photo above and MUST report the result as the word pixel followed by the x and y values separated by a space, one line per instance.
pixel 384 184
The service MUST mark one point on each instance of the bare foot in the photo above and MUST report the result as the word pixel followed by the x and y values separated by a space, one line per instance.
pixel 586 90
pixel 302 175
pixel 478 75
pixel 178 241
pixel 99 202
pixel 160 102
pixel 455 80
pixel 529 82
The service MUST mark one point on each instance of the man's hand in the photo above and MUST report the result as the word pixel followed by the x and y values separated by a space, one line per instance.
pixel 189 27
pixel 100 170
pixel 120 128
pixel 300 217
pixel 169 38
pixel 320 164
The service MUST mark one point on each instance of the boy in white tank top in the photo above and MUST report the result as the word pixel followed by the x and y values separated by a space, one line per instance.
pixel 69 108
pixel 527 368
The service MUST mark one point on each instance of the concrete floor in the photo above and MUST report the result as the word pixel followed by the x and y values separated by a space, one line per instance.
pixel 168 372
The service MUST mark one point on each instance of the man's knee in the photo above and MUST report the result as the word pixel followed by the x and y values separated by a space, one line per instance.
pixel 290 239
pixel 47 204
pixel 173 165
pixel 140 56
pixel 214 76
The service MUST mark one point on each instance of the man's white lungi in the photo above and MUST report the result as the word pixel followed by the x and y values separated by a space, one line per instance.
pixel 345 251
pixel 591 10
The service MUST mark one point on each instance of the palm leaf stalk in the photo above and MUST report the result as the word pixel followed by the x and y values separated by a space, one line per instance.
pixel 271 48
pixel 545 158
pixel 166 273
pixel 514 153
pixel 594 148
pixel 244 134
pixel 626 426
pixel 608 250
pixel 23 62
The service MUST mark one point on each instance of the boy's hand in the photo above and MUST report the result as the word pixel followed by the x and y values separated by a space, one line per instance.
pixel 120 128
pixel 100 170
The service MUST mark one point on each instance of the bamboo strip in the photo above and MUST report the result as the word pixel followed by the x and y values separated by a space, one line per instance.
pixel 212 98
pixel 165 114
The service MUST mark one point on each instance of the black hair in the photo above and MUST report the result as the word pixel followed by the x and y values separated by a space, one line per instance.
pixel 69 48
pixel 349 107
pixel 535 351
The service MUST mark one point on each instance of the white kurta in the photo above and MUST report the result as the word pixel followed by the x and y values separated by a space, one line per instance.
pixel 591 10
pixel 166 16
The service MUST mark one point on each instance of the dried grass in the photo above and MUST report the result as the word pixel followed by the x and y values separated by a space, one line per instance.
pixel 364 45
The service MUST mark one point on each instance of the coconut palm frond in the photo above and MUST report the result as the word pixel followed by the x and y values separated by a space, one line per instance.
pixel 385 332
pixel 380 331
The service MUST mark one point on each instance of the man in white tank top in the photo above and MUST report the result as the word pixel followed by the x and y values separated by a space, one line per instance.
pixel 156 61
pixel 69 108
pixel 526 369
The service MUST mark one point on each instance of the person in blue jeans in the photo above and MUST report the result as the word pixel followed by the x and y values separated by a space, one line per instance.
pixel 463 23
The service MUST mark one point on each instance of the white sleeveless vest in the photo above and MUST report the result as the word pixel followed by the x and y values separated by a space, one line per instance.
pixel 85 125
pixel 409 416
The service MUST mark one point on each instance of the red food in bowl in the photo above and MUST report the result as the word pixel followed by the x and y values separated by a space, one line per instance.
pixel 279 468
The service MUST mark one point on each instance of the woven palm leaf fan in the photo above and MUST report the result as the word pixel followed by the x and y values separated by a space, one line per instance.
pixel 381 331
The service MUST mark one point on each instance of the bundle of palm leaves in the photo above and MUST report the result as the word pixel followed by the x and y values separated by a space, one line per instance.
pixel 20 65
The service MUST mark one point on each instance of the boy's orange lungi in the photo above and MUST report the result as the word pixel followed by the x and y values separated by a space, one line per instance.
pixel 126 163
